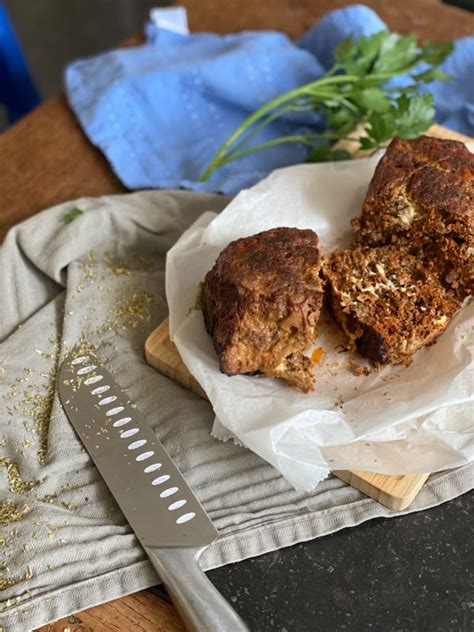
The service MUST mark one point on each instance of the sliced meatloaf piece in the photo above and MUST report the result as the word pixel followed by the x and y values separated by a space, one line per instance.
pixel 386 302
pixel 422 197
pixel 261 303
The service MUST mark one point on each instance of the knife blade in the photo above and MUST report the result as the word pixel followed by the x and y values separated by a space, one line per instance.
pixel 167 518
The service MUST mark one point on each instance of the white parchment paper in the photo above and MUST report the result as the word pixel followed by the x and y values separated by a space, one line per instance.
pixel 397 420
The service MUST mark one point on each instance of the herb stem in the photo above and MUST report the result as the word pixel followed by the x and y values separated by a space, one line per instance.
pixel 310 89
pixel 352 90
pixel 306 139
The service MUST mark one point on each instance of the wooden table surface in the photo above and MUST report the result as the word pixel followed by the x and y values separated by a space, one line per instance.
pixel 46 159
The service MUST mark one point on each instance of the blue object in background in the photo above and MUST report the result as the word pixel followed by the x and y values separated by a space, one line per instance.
pixel 160 111
pixel 18 93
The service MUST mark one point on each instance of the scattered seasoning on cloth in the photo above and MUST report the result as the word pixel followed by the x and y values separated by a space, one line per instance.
pixel 97 284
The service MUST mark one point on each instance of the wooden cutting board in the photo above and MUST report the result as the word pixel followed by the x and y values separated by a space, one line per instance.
pixel 395 492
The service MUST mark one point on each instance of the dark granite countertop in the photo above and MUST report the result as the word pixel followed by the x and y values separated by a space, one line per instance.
pixel 414 573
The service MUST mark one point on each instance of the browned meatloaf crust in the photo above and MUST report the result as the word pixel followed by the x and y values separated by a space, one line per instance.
pixel 422 197
pixel 387 303
pixel 261 303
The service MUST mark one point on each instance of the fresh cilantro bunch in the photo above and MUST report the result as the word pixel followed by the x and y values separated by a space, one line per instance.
pixel 356 90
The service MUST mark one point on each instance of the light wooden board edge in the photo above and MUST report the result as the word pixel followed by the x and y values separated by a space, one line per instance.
pixel 162 355
pixel 394 492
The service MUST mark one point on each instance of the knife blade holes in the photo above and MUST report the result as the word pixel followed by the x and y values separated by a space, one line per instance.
pixel 185 518
pixel 94 379
pixel 86 369
pixel 177 505
pixel 79 360
pixel 168 492
pixel 121 422
pixel 114 411
pixel 144 456
pixel 152 468
pixel 137 444
pixel 161 479
pixel 99 390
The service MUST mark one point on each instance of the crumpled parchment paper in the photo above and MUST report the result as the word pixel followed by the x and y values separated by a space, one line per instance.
pixel 397 420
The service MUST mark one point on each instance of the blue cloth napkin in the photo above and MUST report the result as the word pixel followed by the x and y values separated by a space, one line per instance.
pixel 160 111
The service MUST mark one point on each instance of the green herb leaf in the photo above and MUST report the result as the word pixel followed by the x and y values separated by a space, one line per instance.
pixel 71 215
pixel 380 129
pixel 346 50
pixel 413 115
pixel 355 90
pixel 342 120
pixel 324 153
pixel 436 52
pixel 372 100
pixel 397 52
pixel 358 57
pixel 408 117
pixel 433 74
pixel 369 48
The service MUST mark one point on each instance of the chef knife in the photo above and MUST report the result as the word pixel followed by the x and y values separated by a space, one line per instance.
pixel 167 518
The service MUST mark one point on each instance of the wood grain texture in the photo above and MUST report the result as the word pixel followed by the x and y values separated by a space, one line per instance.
pixel 161 354
pixel 46 160
pixel 394 492
pixel 429 19
pixel 141 612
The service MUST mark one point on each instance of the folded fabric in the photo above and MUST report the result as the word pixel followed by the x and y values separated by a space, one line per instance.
pixel 160 111
pixel 100 279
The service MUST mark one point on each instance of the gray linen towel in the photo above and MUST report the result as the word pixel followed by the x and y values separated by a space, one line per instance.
pixel 97 276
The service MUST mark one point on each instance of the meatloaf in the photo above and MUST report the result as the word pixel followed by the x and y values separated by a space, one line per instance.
pixel 421 197
pixel 386 302
pixel 261 303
